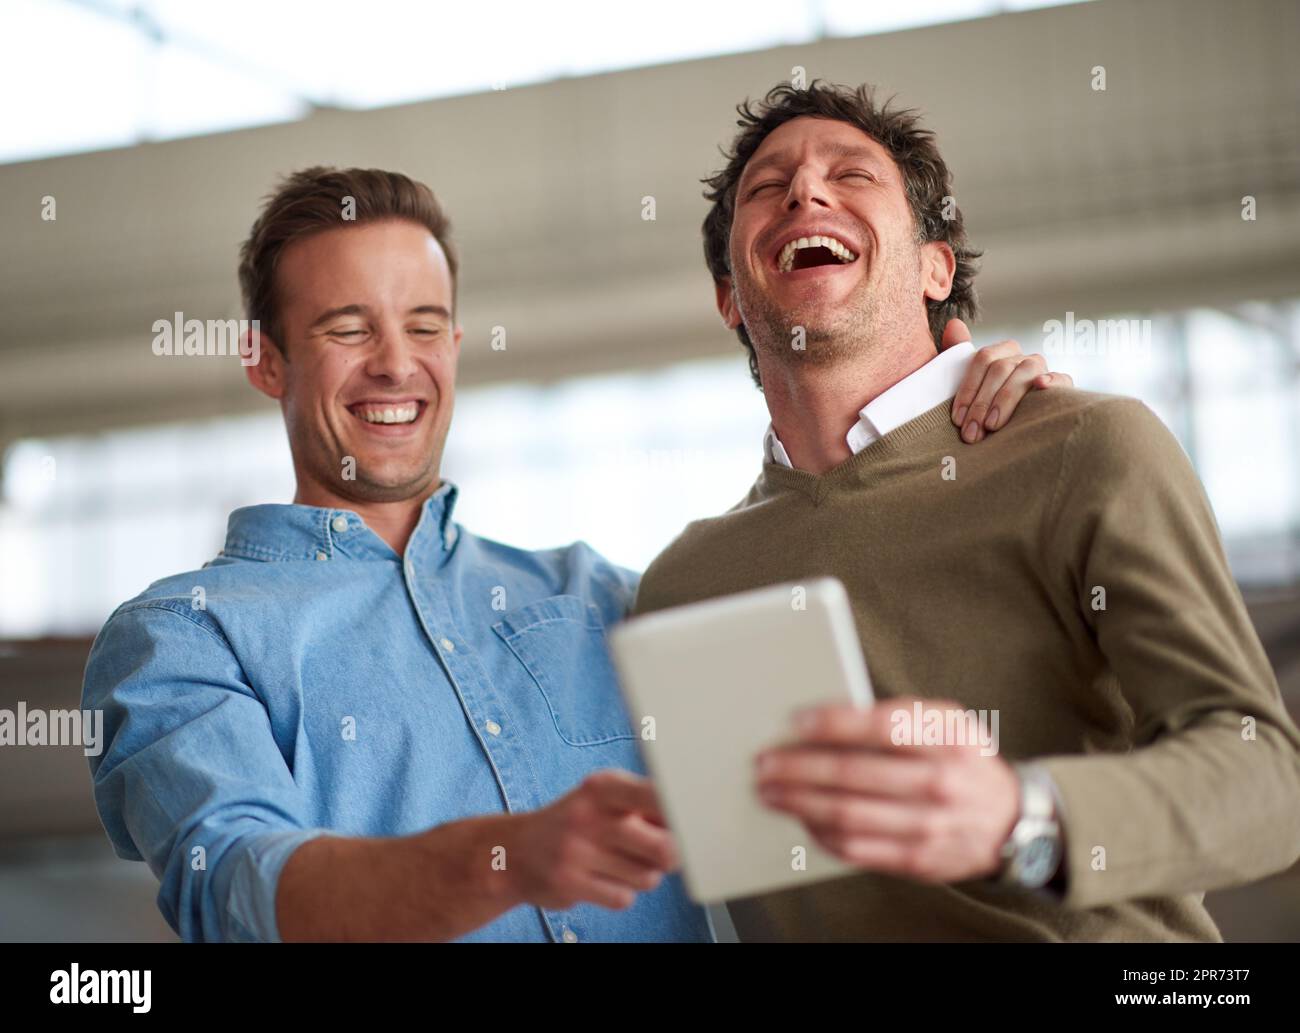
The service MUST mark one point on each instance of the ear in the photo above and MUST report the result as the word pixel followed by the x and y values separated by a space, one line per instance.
pixel 938 267
pixel 727 303
pixel 267 374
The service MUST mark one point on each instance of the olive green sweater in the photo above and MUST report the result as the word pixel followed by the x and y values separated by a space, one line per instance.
pixel 1068 573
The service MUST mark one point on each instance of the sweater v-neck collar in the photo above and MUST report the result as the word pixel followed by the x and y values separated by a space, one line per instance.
pixel 776 478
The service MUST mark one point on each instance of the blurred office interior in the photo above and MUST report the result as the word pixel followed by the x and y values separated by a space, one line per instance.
pixel 619 408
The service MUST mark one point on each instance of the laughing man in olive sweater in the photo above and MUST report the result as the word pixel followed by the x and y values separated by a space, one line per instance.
pixel 1068 578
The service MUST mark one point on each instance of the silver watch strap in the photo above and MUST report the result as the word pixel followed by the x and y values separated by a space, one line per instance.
pixel 1037 826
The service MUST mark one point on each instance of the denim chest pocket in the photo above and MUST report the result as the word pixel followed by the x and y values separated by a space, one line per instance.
pixel 561 643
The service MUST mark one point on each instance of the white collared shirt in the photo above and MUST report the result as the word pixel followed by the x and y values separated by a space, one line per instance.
pixel 920 390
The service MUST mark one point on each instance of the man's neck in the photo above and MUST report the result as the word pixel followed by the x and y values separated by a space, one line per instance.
pixel 813 407
pixel 394 522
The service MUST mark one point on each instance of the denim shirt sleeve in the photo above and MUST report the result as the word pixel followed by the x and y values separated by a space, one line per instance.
pixel 191 779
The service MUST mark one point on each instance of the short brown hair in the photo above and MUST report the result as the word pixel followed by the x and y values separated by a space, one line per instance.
pixel 926 180
pixel 311 200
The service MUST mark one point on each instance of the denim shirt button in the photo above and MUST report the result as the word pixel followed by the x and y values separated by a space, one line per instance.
pixel 340 524
pixel 321 556
pixel 448 645
pixel 570 936
pixel 493 728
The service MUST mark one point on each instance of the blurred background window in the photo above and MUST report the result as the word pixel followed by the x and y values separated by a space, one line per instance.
pixel 622 461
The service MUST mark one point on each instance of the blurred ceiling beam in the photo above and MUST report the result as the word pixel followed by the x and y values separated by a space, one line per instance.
pixel 1085 201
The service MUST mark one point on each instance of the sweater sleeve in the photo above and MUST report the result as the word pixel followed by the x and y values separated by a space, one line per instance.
pixel 1209 795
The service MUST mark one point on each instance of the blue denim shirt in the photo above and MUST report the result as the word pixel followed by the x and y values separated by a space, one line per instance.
pixel 310 680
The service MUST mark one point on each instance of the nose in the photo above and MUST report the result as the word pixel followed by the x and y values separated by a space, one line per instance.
pixel 392 358
pixel 807 188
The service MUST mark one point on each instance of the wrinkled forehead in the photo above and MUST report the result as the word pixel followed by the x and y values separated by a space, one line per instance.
pixel 821 139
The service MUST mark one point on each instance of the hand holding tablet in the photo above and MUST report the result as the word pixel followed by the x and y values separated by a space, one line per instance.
pixel 711 685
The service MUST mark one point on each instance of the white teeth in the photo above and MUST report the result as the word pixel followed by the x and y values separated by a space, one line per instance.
pixel 398 414
pixel 786 260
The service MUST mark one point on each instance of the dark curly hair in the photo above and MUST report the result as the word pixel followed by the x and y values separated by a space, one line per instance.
pixel 926 180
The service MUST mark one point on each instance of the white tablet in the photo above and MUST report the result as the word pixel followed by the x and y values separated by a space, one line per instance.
pixel 711 684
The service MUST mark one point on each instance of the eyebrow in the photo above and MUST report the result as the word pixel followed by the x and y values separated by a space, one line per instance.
pixel 360 310
pixel 835 150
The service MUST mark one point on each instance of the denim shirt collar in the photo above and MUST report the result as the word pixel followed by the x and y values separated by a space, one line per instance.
pixel 287 531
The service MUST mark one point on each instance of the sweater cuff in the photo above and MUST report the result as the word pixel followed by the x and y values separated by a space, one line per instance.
pixel 1079 881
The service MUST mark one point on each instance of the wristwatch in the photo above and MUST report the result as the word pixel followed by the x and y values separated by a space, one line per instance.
pixel 1032 852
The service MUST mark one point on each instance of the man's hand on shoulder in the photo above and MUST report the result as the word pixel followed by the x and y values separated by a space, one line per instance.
pixel 999 377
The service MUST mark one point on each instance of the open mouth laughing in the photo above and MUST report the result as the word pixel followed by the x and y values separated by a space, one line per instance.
pixel 810 252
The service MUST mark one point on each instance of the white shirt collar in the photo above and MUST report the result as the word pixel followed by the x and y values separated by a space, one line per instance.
pixel 920 390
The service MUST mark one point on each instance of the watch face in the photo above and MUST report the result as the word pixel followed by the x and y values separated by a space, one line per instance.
pixel 1038 861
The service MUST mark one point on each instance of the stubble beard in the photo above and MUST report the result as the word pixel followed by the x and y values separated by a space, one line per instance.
pixel 363 480
pixel 870 318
